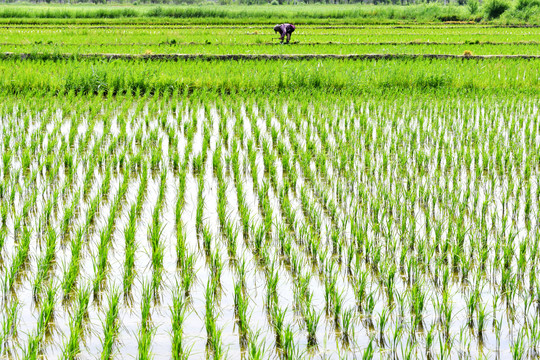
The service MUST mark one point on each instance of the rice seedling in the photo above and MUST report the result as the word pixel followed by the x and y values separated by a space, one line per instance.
pixel 72 345
pixel 44 323
pixel 213 333
pixel 19 262
pixel 45 263
pixel 157 254
pixel 178 311
pixel 9 326
pixel 130 249
pixel 240 308
pixel 256 350
pixel 146 330
pixel 312 321
pixel 111 325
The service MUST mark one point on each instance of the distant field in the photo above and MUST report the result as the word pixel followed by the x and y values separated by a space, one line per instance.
pixel 260 39
pixel 208 14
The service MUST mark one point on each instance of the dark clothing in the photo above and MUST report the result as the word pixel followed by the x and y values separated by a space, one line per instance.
pixel 285 30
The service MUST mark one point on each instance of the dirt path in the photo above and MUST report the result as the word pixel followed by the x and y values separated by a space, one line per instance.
pixel 176 57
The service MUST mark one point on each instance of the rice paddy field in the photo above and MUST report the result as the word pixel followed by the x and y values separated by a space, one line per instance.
pixel 267 209
pixel 260 39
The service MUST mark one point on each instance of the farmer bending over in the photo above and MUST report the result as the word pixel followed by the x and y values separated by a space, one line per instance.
pixel 284 29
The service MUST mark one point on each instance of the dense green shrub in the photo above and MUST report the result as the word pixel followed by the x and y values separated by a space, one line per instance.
pixel 526 4
pixel 495 8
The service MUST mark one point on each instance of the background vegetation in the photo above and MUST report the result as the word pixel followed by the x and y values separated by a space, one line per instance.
pixel 506 11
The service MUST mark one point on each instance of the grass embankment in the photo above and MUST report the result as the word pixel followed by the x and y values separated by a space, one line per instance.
pixel 269 50
pixel 504 76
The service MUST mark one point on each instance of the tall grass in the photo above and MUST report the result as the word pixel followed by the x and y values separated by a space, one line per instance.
pixel 250 77
pixel 334 14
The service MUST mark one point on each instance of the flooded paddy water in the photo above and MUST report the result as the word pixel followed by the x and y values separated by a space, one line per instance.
pixel 173 228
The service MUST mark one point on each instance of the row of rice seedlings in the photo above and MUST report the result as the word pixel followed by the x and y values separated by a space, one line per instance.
pixel 155 234
pixel 18 264
pixel 178 314
pixel 106 235
pixel 111 325
pixel 35 342
pixel 71 348
pixel 147 329
pixel 45 263
pixel 9 326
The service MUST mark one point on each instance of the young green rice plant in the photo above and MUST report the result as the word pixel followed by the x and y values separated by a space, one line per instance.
pixel 181 246
pixel 146 303
pixel 207 241
pixel 72 272
pixel 418 303
pixel 471 306
pixel 198 164
pixel 446 310
pixel 45 263
pixel 347 330
pixel 188 274
pixel 383 320
pixel 180 200
pixel 101 261
pixel 272 280
pixel 144 343
pixel 481 320
pixel 4 209
pixel 111 325
pixel 370 303
pixel 130 249
pixel 43 327
pixel 68 215
pixel 518 346
pixel 337 303
pixel 216 267
pixel 259 236
pixel 200 206
pixel 158 250
pixel 290 349
pixel 240 309
pixel 360 289
pixel 312 321
pixel 71 347
pixel 88 177
pixel 278 320
pixel 92 211
pixel 256 348
pixel 143 186
pixel 19 262
pixel 178 314
pixel 9 325
pixel 106 183
pixel 214 342
pixel 231 234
